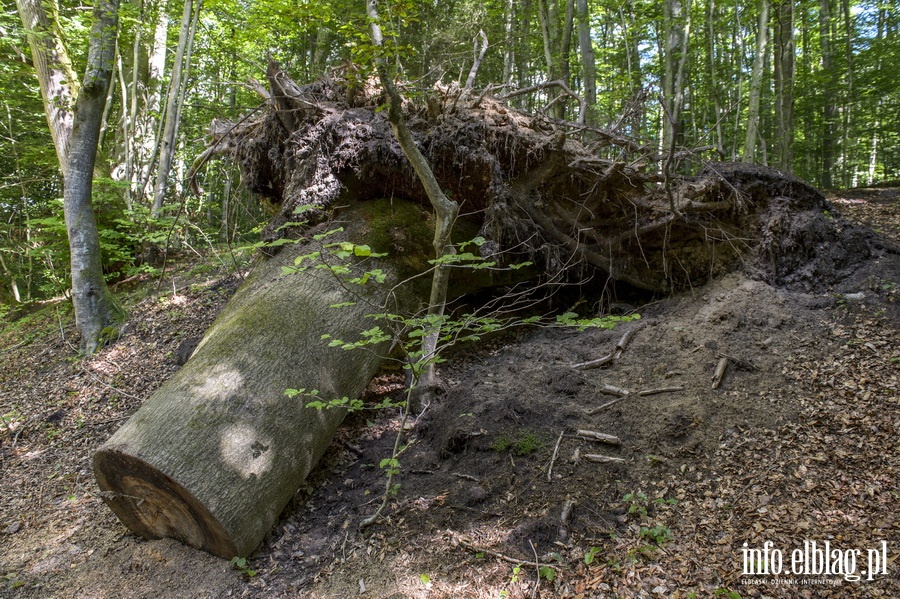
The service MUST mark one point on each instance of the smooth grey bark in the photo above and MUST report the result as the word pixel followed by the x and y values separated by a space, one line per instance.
pixel 589 69
pixel 479 56
pixel 57 80
pixel 95 308
pixel 830 93
pixel 784 67
pixel 714 78
pixel 677 21
pixel 217 452
pixel 174 102
pixel 762 37
pixel 557 37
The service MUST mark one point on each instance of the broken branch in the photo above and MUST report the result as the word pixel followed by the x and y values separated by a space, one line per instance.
pixel 720 372
pixel 647 392
pixel 602 437
pixel 602 459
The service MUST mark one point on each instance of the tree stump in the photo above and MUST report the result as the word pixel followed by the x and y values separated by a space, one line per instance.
pixel 217 452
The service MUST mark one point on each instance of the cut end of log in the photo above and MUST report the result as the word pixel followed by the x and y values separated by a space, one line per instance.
pixel 154 506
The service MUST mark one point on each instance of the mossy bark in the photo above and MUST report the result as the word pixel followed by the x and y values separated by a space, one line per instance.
pixel 216 453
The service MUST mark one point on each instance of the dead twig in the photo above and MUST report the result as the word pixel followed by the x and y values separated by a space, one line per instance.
pixel 594 363
pixel 602 459
pixel 613 390
pixel 602 437
pixel 457 540
pixel 647 392
pixel 555 453
pixel 593 411
pixel 625 340
pixel 612 356
pixel 564 518
pixel 717 377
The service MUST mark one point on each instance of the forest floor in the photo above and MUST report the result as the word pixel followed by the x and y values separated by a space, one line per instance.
pixel 498 496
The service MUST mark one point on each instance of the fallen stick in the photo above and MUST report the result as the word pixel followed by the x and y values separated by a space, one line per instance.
pixel 602 437
pixel 594 363
pixel 553 459
pixel 720 372
pixel 647 392
pixel 564 519
pixel 471 547
pixel 613 390
pixel 625 340
pixel 593 411
pixel 612 356
pixel 602 459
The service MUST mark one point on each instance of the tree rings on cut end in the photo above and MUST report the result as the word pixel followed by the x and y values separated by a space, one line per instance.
pixel 154 506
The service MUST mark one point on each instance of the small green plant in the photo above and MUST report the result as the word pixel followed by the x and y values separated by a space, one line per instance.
pixel 659 535
pixel 240 564
pixel 515 574
pixel 590 555
pixel 643 551
pixel 524 442
pixel 727 594
pixel 548 573
pixel 637 503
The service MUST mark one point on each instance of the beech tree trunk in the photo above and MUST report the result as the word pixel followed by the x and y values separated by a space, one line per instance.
pixel 784 84
pixel 173 104
pixel 762 36
pixel 217 452
pixel 588 64
pixel 95 308
pixel 54 72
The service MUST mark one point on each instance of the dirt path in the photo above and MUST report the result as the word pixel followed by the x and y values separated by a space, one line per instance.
pixel 798 444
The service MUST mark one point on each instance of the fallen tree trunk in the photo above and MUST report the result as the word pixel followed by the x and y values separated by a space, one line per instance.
pixel 217 452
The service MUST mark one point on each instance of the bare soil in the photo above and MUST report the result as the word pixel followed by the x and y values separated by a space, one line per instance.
pixel 799 443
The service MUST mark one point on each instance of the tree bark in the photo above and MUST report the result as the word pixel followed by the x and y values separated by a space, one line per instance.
pixel 784 84
pixel 762 36
pixel 53 68
pixel 677 20
pixel 95 308
pixel 589 69
pixel 217 452
pixel 829 95
pixel 173 104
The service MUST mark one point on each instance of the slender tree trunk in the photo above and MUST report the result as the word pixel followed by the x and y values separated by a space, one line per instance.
pixel 173 105
pixel 95 308
pixel 151 138
pixel 784 84
pixel 557 37
pixel 509 55
pixel 588 66
pixel 677 21
pixel 830 108
pixel 445 209
pixel 57 80
pixel 848 158
pixel 873 155
pixel 714 79
pixel 762 36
